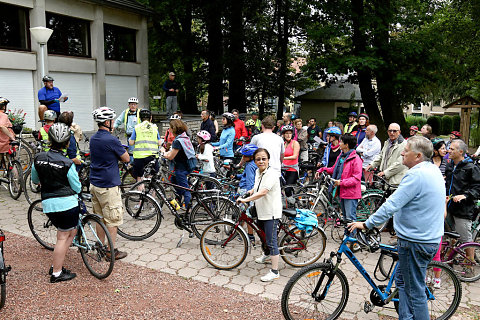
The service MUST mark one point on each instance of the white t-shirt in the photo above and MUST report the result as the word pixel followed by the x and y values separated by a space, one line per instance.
pixel 269 206
pixel 274 145
pixel 207 166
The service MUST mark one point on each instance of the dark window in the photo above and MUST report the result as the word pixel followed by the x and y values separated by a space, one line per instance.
pixel 120 43
pixel 70 37
pixel 14 32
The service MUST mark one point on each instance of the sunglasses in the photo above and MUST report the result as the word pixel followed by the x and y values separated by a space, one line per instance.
pixel 261 159
pixel 393 131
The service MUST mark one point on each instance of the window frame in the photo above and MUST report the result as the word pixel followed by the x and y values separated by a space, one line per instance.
pixel 88 39
pixel 26 31
pixel 119 28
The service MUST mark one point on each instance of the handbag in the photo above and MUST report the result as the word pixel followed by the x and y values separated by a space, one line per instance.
pixel 253 209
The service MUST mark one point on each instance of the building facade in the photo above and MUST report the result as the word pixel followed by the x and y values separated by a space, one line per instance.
pixel 97 54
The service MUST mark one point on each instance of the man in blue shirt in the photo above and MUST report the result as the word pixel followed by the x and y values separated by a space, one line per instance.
pixel 105 152
pixel 419 208
pixel 49 97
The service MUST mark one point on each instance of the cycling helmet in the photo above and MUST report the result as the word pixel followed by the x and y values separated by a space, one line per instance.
pixel 369 239
pixel 456 134
pixel 249 122
pixel 205 135
pixel 47 78
pixel 363 115
pixel 175 117
pixel 436 141
pixel 103 114
pixel 145 114
pixel 4 101
pixel 133 100
pixel 287 128
pixel 229 116
pixel 414 128
pixel 352 114
pixel 334 130
pixel 293 117
pixel 49 115
pixel 248 149
pixel 59 132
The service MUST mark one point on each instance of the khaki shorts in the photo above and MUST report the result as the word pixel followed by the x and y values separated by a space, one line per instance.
pixel 107 203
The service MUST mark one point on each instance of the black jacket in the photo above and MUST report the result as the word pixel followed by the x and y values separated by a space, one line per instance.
pixel 208 125
pixel 463 179
pixel 52 168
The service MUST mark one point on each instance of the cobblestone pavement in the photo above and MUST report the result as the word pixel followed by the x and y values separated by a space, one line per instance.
pixel 160 253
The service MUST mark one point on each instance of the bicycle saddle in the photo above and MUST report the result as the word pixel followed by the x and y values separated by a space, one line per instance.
pixel 452 235
pixel 15 143
pixel 291 213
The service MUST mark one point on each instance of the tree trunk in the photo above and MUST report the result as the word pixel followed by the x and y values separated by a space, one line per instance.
pixel 213 22
pixel 283 11
pixel 236 58
pixel 190 104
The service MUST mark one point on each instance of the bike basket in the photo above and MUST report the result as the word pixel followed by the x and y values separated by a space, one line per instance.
pixel 17 128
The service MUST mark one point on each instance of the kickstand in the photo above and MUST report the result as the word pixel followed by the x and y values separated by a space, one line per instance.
pixel 181 239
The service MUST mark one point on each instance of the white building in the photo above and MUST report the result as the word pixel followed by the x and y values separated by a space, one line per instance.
pixel 97 54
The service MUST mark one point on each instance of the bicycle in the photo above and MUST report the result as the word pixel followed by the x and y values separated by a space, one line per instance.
pixel 12 171
pixel 25 150
pixel 225 244
pixel 98 257
pixel 3 272
pixel 320 290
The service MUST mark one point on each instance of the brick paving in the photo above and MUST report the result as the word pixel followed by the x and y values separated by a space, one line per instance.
pixel 160 253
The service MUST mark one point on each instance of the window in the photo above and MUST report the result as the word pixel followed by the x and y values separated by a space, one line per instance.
pixel 120 43
pixel 14 32
pixel 70 37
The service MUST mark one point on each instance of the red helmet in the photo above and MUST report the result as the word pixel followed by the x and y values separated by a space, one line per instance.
pixel 414 128
pixel 456 134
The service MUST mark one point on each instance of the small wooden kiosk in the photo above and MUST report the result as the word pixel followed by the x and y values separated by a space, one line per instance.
pixel 466 104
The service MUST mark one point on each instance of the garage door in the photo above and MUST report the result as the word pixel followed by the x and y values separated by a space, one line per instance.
pixel 118 90
pixel 17 86
pixel 79 88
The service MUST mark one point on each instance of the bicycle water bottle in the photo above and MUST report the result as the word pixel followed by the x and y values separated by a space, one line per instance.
pixel 175 204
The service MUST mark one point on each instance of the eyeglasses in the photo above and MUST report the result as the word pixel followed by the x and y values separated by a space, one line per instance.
pixel 393 131
pixel 261 159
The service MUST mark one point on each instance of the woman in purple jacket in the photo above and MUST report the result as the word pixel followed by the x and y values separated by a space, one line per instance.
pixel 347 173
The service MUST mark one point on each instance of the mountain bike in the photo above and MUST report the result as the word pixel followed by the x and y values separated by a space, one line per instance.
pixel 99 257
pixel 321 290
pixel 12 171
pixel 4 269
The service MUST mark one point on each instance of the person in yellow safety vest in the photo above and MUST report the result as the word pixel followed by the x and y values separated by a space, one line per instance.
pixel 145 139
pixel 129 118
pixel 49 117
pixel 73 150
pixel 352 123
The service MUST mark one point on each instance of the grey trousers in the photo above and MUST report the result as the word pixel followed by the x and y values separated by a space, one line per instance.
pixel 171 104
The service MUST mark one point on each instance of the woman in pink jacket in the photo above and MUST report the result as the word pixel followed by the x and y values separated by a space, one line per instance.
pixel 347 173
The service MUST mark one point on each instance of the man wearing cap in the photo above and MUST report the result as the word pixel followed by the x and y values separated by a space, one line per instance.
pixel 413 131
pixel 258 123
pixel 49 97
pixel 171 89
pixel 352 123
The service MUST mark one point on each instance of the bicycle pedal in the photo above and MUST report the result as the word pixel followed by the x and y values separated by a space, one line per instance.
pixel 367 307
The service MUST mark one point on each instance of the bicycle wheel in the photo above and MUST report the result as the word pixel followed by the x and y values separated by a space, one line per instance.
pixel 219 253
pixel 3 294
pixel 298 303
pixel 141 218
pixel 445 300
pixel 292 251
pixel 3 278
pixel 24 155
pixel 466 268
pixel 127 181
pixel 31 190
pixel 209 210
pixel 309 201
pixel 368 204
pixel 204 183
pixel 15 179
pixel 98 257
pixel 337 232
pixel 40 225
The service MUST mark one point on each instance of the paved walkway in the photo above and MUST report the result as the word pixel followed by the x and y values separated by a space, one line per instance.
pixel 160 253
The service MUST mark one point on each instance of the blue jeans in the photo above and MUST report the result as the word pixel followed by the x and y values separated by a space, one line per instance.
pixel 270 229
pixel 414 258
pixel 180 178
pixel 349 210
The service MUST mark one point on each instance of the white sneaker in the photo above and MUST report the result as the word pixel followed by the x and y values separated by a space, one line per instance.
pixel 270 276
pixel 262 259
pixel 437 283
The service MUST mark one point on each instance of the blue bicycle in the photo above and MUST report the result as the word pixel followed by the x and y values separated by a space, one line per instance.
pixel 320 290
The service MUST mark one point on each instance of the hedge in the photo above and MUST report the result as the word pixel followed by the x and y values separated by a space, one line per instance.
pixel 447 125
pixel 436 123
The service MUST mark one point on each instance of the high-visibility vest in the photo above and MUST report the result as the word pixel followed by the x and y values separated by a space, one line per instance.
pixel 125 118
pixel 348 128
pixel 45 143
pixel 146 140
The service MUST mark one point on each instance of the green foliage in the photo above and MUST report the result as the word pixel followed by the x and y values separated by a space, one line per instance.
pixel 415 121
pixel 447 125
pixel 456 122
pixel 436 123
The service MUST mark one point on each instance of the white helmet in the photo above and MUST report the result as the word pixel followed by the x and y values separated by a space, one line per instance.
pixel 59 132
pixel 133 99
pixel 103 114
pixel 175 117
pixel 49 115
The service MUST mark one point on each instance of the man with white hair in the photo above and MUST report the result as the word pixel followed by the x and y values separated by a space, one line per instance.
pixel 369 148
pixel 418 202
pixel 389 161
